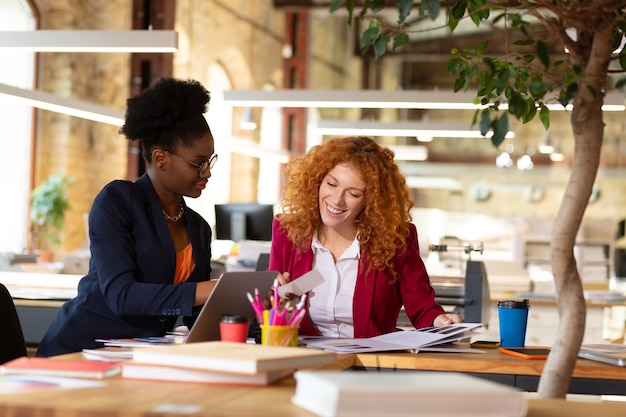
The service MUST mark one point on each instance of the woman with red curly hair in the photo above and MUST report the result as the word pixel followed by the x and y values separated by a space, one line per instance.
pixel 346 213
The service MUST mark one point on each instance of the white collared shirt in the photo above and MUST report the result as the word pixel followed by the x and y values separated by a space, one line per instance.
pixel 330 303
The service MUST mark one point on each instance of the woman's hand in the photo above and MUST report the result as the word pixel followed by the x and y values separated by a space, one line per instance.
pixel 447 319
pixel 282 279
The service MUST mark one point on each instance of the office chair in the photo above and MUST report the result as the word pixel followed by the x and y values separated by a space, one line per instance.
pixel 13 344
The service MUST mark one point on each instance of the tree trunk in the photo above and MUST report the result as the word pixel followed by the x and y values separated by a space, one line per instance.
pixel 588 128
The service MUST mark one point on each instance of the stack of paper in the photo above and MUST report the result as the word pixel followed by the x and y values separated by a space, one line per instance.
pixel 611 353
pixel 414 393
pixel 222 362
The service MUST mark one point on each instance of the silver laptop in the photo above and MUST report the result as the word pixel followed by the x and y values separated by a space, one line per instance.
pixel 611 354
pixel 229 297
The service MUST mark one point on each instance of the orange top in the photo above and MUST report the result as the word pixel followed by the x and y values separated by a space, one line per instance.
pixel 184 264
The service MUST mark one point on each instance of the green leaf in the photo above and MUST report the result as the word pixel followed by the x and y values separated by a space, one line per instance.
pixel 542 53
pixel 433 9
pixel 544 115
pixel 538 88
pixel 335 5
pixel 454 65
pixel 404 9
pixel 455 14
pixel 617 40
pixel 477 11
pixel 475 117
pixel 517 104
pixel 485 122
pixel 502 81
pixel 376 5
pixel 399 40
pixel 481 47
pixel 490 64
pixel 531 111
pixel 568 94
pixel 370 35
pixel 380 46
pixel 500 129
pixel 459 84
pixel 515 19
pixel 577 69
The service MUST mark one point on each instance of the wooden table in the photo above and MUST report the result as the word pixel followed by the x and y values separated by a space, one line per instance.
pixel 134 398
pixel 589 377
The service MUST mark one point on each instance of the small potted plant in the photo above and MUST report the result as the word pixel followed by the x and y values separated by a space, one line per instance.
pixel 49 202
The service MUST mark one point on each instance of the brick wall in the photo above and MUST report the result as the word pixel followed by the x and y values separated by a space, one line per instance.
pixel 245 38
pixel 94 153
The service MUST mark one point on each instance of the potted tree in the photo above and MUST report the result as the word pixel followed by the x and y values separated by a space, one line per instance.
pixel 592 32
pixel 49 202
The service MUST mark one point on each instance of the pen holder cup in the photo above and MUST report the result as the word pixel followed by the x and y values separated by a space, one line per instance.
pixel 279 335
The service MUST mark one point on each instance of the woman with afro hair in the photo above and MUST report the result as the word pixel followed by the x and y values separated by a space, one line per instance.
pixel 150 253
pixel 346 213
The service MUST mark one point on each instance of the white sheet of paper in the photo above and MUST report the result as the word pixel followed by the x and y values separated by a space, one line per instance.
pixel 302 284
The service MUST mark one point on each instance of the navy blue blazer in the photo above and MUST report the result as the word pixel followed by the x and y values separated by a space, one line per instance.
pixel 129 290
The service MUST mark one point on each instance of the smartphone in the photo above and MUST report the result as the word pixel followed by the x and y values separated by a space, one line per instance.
pixel 485 344
pixel 527 353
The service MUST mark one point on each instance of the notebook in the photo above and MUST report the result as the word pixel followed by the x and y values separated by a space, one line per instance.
pixel 229 297
pixel 613 354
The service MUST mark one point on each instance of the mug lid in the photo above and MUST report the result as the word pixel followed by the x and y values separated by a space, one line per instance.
pixel 228 318
pixel 525 303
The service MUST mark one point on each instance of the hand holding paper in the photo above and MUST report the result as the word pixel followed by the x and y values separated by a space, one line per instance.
pixel 301 285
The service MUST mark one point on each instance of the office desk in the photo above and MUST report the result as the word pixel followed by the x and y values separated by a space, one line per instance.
pixel 589 377
pixel 134 398
pixel 35 317
pixel 38 297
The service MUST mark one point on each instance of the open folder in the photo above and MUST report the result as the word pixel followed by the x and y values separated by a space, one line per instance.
pixel 412 340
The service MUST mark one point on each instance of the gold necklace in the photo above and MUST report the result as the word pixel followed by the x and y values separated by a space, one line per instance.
pixel 176 218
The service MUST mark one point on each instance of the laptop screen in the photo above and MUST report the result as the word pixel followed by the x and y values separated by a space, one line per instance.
pixel 229 297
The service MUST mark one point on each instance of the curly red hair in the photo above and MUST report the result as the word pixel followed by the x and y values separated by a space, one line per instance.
pixel 382 225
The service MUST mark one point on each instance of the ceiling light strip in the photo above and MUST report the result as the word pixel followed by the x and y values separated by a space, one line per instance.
pixel 65 105
pixel 250 148
pixel 410 129
pixel 404 99
pixel 140 41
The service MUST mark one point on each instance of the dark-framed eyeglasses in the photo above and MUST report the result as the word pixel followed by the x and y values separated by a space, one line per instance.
pixel 201 167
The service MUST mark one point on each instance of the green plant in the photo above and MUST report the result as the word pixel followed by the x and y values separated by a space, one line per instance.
pixel 49 202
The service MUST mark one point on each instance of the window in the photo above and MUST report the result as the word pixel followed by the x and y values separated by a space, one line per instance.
pixel 17 130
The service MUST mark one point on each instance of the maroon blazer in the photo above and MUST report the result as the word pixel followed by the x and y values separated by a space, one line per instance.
pixel 377 302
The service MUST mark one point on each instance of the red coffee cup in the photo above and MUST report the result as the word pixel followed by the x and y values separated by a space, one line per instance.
pixel 233 328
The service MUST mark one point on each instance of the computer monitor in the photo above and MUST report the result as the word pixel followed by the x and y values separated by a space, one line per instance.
pixel 244 221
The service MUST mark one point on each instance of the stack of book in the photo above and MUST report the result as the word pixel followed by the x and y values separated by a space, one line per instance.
pixel 222 362
pixel 35 366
